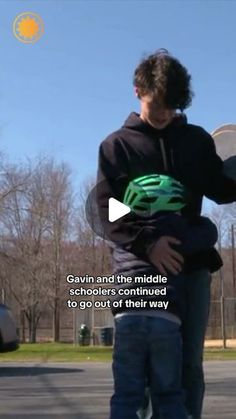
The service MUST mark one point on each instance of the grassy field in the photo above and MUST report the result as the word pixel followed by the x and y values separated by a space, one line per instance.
pixel 58 352
pixel 64 352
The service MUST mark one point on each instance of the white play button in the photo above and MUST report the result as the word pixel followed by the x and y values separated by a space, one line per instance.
pixel 116 209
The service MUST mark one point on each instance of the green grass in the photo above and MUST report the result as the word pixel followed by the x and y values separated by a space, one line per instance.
pixel 65 352
pixel 219 354
pixel 58 352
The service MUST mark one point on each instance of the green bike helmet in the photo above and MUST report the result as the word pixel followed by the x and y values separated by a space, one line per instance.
pixel 149 194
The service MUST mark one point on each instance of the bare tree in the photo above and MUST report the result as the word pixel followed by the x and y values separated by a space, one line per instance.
pixel 60 206
pixel 24 221
pixel 93 252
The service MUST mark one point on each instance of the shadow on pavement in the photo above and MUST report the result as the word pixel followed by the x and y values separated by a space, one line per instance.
pixel 34 371
pixel 224 387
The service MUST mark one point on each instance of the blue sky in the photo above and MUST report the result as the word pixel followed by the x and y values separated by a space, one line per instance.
pixel 63 95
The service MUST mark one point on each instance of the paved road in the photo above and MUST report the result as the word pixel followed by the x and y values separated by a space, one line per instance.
pixel 82 391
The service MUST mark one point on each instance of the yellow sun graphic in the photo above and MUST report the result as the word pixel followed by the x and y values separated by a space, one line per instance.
pixel 28 27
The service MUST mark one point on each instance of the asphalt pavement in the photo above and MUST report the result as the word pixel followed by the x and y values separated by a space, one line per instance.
pixel 83 390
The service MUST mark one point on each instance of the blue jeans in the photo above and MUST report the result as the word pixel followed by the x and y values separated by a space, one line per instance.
pixel 193 333
pixel 198 286
pixel 147 348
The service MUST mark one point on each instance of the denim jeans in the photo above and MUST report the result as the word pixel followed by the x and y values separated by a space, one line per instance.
pixel 147 348
pixel 193 332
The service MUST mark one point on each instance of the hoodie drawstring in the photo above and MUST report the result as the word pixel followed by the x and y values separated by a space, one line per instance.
pixel 163 153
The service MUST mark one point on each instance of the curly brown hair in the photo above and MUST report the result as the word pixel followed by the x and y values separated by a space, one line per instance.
pixel 162 76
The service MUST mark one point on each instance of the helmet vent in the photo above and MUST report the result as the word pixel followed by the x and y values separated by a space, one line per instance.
pixel 139 208
pixel 132 198
pixel 176 200
pixel 149 199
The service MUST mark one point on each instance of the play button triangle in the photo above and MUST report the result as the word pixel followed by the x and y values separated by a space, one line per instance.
pixel 116 209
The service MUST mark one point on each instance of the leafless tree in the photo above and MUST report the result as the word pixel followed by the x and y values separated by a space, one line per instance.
pixel 60 206
pixel 23 221
pixel 94 258
pixel 34 221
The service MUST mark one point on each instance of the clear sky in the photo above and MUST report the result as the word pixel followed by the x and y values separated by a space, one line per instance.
pixel 64 94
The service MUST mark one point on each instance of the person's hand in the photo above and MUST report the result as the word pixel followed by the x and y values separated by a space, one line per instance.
pixel 164 257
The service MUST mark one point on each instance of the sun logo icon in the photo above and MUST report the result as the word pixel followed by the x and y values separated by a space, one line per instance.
pixel 28 27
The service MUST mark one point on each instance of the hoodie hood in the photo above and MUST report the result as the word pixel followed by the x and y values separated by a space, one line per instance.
pixel 134 122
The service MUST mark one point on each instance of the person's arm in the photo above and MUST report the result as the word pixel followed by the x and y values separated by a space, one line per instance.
pixel 209 179
pixel 130 232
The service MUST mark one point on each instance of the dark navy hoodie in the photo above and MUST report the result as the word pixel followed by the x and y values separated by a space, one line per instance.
pixel 182 150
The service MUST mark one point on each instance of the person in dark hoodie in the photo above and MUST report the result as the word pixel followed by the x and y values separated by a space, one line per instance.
pixel 160 140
